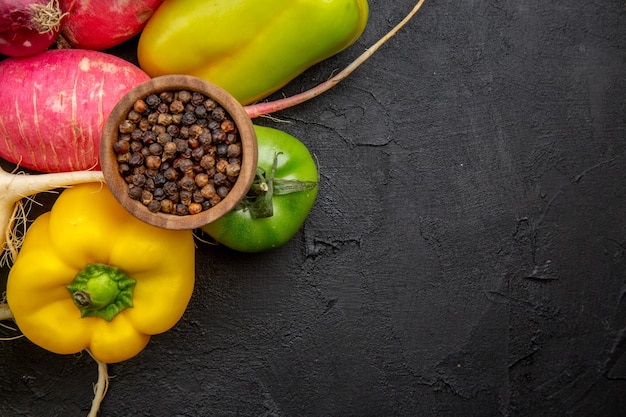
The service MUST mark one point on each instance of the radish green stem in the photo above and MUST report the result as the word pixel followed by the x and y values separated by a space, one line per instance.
pixel 14 187
pixel 260 109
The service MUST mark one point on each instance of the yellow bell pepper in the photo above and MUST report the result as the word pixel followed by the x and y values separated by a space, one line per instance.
pixel 90 275
pixel 250 48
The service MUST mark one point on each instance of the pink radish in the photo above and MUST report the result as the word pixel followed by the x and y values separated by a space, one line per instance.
pixel 53 106
pixel 28 27
pixel 102 24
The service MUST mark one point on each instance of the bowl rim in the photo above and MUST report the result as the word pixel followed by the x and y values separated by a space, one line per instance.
pixel 177 82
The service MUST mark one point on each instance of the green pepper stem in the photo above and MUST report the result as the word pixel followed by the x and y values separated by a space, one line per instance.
pixel 261 109
pixel 101 291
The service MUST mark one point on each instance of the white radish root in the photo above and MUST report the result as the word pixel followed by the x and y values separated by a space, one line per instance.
pixel 5 312
pixel 15 187
pixel 263 109
pixel 101 387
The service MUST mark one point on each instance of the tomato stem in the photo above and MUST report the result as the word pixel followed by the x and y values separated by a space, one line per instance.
pixel 259 198
pixel 264 188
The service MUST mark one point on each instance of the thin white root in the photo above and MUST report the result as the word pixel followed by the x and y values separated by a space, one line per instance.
pixel 8 339
pixel 101 387
pixel 259 109
pixel 47 17
pixel 5 312
pixel 274 118
pixel 15 233
pixel 15 187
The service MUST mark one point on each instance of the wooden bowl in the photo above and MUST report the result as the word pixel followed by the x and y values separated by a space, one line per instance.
pixel 119 187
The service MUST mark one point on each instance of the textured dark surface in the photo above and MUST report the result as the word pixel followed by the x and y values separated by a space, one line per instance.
pixel 465 257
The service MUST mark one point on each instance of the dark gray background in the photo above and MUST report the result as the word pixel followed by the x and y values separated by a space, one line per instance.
pixel 465 256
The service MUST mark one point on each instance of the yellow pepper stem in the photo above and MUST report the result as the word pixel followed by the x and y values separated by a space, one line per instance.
pixel 102 291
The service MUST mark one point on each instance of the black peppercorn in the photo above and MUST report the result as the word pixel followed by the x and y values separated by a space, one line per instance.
pixel 200 112
pixel 189 118
pixel 177 106
pixel 148 137
pixel 218 136
pixel 167 150
pixel 124 169
pixel 154 206
pixel 126 126
pixel 146 197
pixel 134 116
pixel 167 206
pixel 135 159
pixel 163 108
pixel 121 146
pixel 164 119
pixel 139 106
pixel 195 208
pixel 220 179
pixel 222 191
pixel 134 192
pixel 184 96
pixel 170 174
pixel 210 104
pixel 186 183
pixel 166 97
pixel 153 101
pixel 155 149
pixel 218 114
pixel 233 170
pixel 159 180
pixel 181 209
pixel 197 154
pixel 172 129
pixel 233 150
pixel 153 161
pixel 228 126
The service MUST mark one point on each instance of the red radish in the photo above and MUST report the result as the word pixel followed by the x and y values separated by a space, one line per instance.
pixel 102 24
pixel 53 106
pixel 28 27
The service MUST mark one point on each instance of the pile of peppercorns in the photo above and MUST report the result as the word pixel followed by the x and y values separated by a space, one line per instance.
pixel 179 152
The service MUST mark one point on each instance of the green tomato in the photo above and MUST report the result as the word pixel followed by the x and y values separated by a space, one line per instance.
pixel 278 202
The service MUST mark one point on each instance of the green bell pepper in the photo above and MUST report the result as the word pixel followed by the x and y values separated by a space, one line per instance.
pixel 279 200
pixel 250 48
